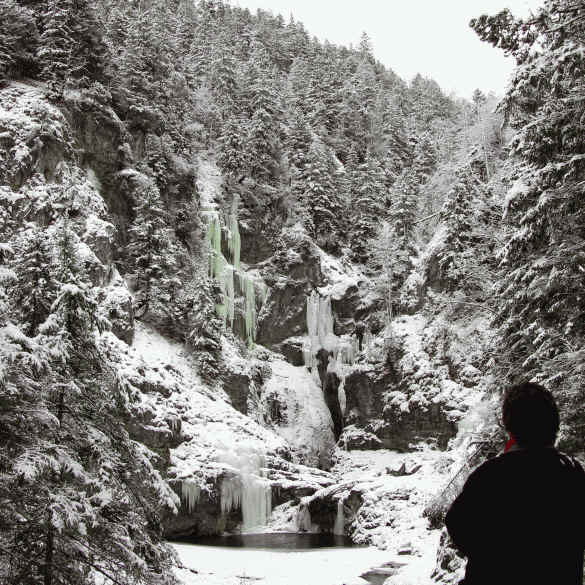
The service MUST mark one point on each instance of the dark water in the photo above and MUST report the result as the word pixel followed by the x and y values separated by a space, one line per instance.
pixel 276 540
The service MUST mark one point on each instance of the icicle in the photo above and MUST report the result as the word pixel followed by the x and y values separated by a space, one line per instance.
pixel 250 315
pixel 213 237
pixel 231 494
pixel 339 527
pixel 223 272
pixel 308 356
pixel 313 314
pixel 216 243
pixel 190 493
pixel 341 396
pixel 319 327
pixel 249 492
pixel 263 292
pixel 368 339
pixel 227 288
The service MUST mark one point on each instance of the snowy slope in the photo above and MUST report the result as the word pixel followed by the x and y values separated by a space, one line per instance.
pixel 172 392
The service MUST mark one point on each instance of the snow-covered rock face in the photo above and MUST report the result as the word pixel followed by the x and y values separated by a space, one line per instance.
pixel 291 274
pixel 295 406
pixel 424 386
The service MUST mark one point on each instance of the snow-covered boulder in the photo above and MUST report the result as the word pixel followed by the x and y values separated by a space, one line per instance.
pixel 354 437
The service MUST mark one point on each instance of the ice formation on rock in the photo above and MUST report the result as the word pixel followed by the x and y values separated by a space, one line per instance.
pixel 190 493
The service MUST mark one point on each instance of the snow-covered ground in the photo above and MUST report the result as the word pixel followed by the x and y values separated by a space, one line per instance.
pixel 153 348
pixel 237 566
pixel 209 181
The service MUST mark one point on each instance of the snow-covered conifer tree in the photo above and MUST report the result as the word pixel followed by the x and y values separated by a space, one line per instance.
pixel 149 250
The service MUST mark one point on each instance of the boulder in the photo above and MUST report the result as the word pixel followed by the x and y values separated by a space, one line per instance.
pixel 115 302
pixel 353 437
pixel 378 575
pixel 255 245
pixel 100 137
pixel 237 386
pixel 292 350
pixel 450 566
pixel 99 236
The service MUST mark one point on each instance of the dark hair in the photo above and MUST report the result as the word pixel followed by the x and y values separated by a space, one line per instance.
pixel 531 415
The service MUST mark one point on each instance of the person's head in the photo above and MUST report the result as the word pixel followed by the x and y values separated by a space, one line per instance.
pixel 530 415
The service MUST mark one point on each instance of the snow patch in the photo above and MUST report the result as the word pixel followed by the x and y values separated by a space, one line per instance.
pixel 209 183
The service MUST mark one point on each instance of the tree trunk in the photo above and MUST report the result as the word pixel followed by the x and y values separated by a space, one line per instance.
pixel 49 552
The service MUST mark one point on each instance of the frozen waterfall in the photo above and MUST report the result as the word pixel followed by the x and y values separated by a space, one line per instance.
pixel 343 350
pixel 247 490
pixel 224 271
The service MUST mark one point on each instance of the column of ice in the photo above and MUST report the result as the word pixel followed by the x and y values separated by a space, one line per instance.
pixel 249 491
pixel 304 522
pixel 319 326
pixel 339 527
pixel 234 240
pixel 256 502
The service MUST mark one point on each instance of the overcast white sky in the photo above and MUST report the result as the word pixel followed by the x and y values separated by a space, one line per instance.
pixel 431 37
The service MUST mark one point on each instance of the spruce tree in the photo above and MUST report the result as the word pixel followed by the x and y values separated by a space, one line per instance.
pixel 35 285
pixel 541 300
pixel 369 205
pixel 149 251
pixel 71 45
pixel 233 157
pixel 402 215
pixel 80 500
pixel 321 197
pixel 460 259
pixel 18 40
pixel 264 129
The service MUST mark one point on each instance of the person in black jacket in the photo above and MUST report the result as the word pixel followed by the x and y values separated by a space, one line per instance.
pixel 520 518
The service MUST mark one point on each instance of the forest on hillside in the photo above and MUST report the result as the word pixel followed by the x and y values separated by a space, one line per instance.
pixel 441 202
